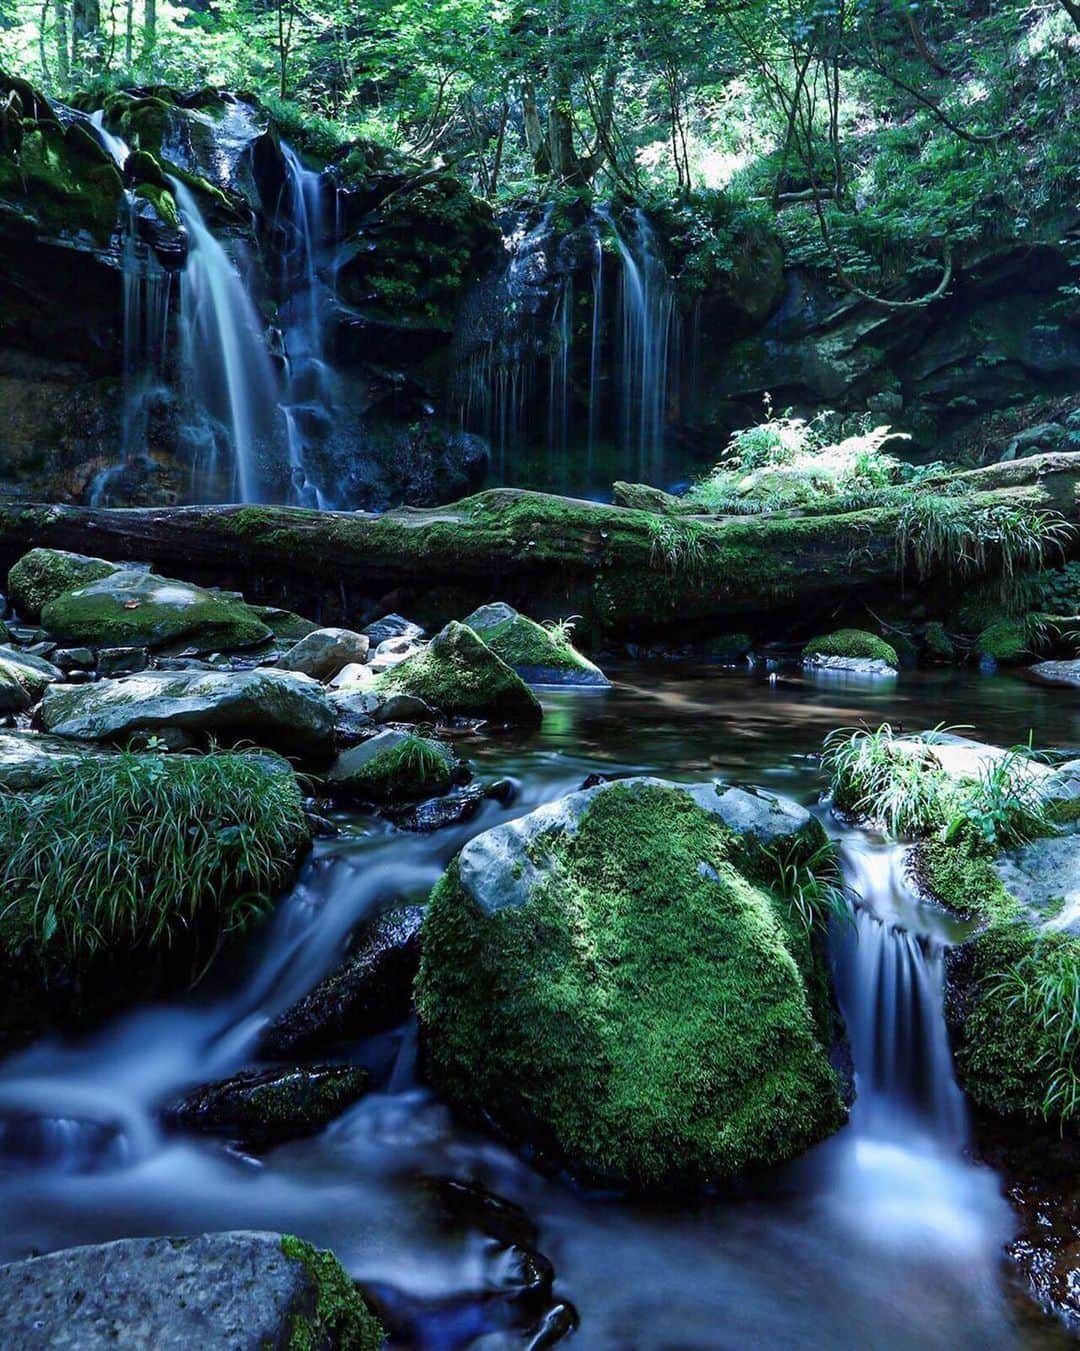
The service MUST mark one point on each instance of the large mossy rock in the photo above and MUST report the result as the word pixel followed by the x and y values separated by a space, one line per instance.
pixel 851 645
pixel 458 673
pixel 241 1291
pixel 538 655
pixel 43 574
pixel 610 979
pixel 138 609
pixel 276 709
pixel 394 766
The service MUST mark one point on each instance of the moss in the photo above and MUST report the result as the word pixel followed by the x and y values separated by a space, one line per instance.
pixel 341 1316
pixel 939 646
pixel 43 574
pixel 1065 812
pixel 60 184
pixel 851 643
pixel 644 1015
pixel 458 673
pixel 534 652
pixel 410 767
pixel 963 882
pixel 1004 641
pixel 163 202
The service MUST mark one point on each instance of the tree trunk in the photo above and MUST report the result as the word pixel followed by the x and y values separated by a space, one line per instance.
pixel 149 30
pixel 86 26
pixel 63 49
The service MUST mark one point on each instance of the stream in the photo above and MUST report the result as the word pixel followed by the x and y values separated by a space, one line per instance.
pixel 886 1235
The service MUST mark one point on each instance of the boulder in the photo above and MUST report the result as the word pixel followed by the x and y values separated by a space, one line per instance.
pixel 138 609
pixel 610 979
pixel 43 574
pixel 1044 877
pixel 239 1291
pixel 391 651
pixel 369 992
pixel 277 709
pixel 323 653
pixel 539 655
pixel 394 766
pixel 23 679
pixel 1065 673
pixel 438 813
pixel 265 1107
pixel 28 760
pixel 852 650
pixel 459 674
pixel 392 626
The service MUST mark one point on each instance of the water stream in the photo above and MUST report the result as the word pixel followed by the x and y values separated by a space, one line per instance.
pixel 884 1236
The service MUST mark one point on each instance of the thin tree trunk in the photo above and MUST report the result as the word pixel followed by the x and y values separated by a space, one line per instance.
pixel 149 30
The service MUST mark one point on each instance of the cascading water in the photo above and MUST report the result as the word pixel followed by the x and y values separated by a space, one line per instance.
pixel 227 368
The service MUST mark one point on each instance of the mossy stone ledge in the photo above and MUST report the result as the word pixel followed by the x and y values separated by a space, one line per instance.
pixel 612 980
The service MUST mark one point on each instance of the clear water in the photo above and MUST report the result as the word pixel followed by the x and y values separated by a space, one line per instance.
pixel 883 1237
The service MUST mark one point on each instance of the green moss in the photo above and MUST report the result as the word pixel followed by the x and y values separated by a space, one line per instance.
pixel 535 652
pixel 162 200
pixel 939 646
pixel 645 1014
pixel 341 1316
pixel 60 185
pixel 410 768
pixel 43 574
pixel 852 643
pixel 963 882
pixel 1005 641
pixel 145 852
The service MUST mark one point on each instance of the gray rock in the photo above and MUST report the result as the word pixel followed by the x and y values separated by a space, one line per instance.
pixel 378 770
pixel 117 661
pixel 23 679
pixel 1044 876
pixel 392 626
pixel 278 709
pixel 353 710
pixel 403 708
pixel 391 651
pixel 28 760
pixel 857 666
pixel 1065 673
pixel 325 652
pixel 538 655
pixel 43 574
pixel 355 676
pixel 74 659
pixel 218 1292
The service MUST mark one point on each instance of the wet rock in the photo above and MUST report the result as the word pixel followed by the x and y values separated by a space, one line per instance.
pixel 138 609
pixel 23 679
pixel 439 812
pixel 239 1291
pixel 43 574
pixel 369 992
pixel 459 674
pixel 552 940
pixel 851 650
pixel 276 709
pixel 355 676
pixel 391 651
pixel 265 1107
pixel 403 708
pixel 74 659
pixel 118 661
pixel 28 760
pixel 353 710
pixel 540 656
pixel 392 626
pixel 1044 876
pixel 394 766
pixel 1066 673
pixel 324 653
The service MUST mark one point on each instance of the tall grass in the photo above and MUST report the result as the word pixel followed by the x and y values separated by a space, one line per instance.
pixel 143 851
pixel 812 885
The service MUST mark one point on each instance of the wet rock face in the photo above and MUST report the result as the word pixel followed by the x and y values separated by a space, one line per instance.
pixel 264 1107
pixel 370 992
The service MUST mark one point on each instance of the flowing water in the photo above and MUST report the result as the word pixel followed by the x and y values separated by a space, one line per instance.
pixel 885 1236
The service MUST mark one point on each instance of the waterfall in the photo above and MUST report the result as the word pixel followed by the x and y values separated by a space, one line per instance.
pixel 559 368
pixel 596 341
pixel 226 364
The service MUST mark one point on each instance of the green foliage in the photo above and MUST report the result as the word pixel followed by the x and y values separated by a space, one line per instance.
pixel 810 882
pixel 964 880
pixel 1003 808
pixel 145 852
pixel 341 1317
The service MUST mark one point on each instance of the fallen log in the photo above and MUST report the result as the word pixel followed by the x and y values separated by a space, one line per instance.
pixel 625 570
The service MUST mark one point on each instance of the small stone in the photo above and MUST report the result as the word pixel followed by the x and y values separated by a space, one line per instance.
pixel 117 661
pixel 405 708
pixel 392 626
pixel 74 659
pixel 324 653
pixel 392 651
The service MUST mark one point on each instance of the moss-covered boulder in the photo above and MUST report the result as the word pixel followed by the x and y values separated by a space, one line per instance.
pixel 23 679
pixel 264 1107
pixel 541 656
pixel 394 766
pixel 851 645
pixel 43 574
pixel 139 609
pixel 229 1290
pixel 458 673
pixel 613 979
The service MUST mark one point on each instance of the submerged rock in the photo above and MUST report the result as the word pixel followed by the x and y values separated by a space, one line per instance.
pixel 394 766
pixel 538 655
pixel 369 992
pixel 610 979
pixel 241 1291
pixel 458 673
pixel 277 709
pixel 43 574
pixel 139 609
pixel 264 1107
pixel 323 653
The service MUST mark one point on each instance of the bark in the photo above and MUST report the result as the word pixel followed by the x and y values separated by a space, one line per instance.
pixel 626 571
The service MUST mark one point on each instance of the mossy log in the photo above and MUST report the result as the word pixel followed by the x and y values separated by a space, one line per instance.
pixel 624 569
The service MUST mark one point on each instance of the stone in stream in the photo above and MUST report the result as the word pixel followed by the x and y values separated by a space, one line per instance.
pixel 438 813
pixel 43 574
pixel 276 709
pixel 238 1291
pixel 24 679
pixel 611 980
pixel 538 655
pixel 852 650
pixel 323 653
pixel 28 760
pixel 369 992
pixel 394 766
pixel 392 651
pixel 459 674
pixel 1066 673
pixel 138 609
pixel 392 626
pixel 265 1107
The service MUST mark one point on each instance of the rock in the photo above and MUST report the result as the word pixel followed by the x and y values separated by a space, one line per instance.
pixel 118 661
pixel 642 497
pixel 1003 643
pixel 578 961
pixel 323 653
pixel 1065 673
pixel 391 651
pixel 369 992
pixel 873 654
pixel 138 609
pixel 539 656
pixel 23 679
pixel 1044 876
pixel 963 759
pixel 240 1291
pixel 28 760
pixel 403 708
pixel 353 710
pixel 439 812
pixel 854 666
pixel 393 766
pixel 74 659
pixel 278 709
pixel 43 574
pixel 392 626
pixel 458 673
pixel 283 624
pixel 264 1107
pixel 355 676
